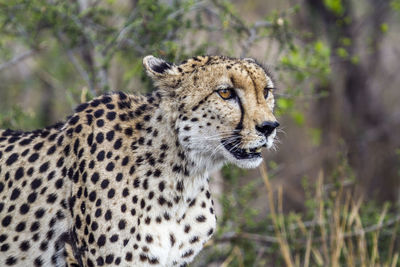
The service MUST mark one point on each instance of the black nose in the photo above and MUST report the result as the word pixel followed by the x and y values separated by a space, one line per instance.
pixel 267 127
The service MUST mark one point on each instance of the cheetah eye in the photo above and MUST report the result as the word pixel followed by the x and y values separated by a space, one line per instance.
pixel 266 91
pixel 226 93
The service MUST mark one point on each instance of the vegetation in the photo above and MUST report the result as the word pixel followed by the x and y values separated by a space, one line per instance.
pixel 333 188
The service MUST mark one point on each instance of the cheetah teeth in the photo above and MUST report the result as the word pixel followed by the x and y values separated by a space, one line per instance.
pixel 253 150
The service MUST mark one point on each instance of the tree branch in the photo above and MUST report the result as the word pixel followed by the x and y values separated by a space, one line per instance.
pixel 17 59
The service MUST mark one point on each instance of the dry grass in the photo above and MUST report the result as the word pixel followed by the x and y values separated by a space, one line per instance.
pixel 336 235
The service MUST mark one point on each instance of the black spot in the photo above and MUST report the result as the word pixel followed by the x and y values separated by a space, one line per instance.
pixel 172 239
pixel 81 107
pixel 176 168
pixel 108 215
pixel 59 183
pixel 188 253
pixel 119 177
pixel 139 126
pixel 110 166
pixel 43 168
pixel 210 232
pixel 35 226
pixel 11 261
pixel 149 239
pixel 76 146
pixel 128 256
pixel 166 216
pixel 136 182
pixel 18 174
pixel 161 186
pixel 89 119
pixel 3 237
pixel 122 224
pixel 179 186
pixel 99 138
pixel 114 238
pixel 20 227
pixel 60 162
pixel 105 183
pixel 157 173
pixel 38 146
pixel 106 99
pixel 74 120
pixel 39 213
pixel 118 143
pixel 110 106
pixel 111 193
pixel 6 221
pixel 12 159
pixel 98 113
pixel 110 135
pixel 145 184
pixel 101 241
pixel 143 257
pixel 100 261
pixel 187 228
pixel 31 198
pixel 51 198
pixel 100 156
pixel 95 177
pixel 25 142
pixel 25 245
pixel 100 123
pixel 161 200
pixel 51 150
pixel 109 258
pixel 36 183
pixel 78 128
pixel 128 131
pixel 4 247
pixel 15 194
pixel 194 240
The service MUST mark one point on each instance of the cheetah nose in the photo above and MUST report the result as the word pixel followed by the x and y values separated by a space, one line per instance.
pixel 267 127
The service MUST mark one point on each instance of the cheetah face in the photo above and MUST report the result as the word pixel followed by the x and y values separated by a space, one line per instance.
pixel 224 107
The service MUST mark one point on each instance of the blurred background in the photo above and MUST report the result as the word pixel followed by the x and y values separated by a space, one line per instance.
pixel 330 193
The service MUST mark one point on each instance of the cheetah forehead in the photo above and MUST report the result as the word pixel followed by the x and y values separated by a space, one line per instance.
pixel 249 65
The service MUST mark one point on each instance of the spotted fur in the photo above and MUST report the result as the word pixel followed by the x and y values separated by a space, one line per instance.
pixel 124 181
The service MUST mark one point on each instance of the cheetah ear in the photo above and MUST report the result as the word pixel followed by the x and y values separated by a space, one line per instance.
pixel 156 67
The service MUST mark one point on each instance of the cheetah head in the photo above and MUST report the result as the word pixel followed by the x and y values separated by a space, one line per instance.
pixel 223 107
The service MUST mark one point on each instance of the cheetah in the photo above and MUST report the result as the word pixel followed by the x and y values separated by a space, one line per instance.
pixel 124 180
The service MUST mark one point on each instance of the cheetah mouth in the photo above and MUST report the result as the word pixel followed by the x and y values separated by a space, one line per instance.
pixel 242 153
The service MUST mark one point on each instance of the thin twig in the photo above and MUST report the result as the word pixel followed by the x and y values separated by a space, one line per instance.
pixel 18 59
pixel 263 239
pixel 372 228
pixel 84 74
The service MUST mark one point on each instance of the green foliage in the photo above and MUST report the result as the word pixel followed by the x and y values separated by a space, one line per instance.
pixel 395 4
pixel 17 118
pixel 336 6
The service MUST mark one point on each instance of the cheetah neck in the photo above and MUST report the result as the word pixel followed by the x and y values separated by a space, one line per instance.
pixel 185 173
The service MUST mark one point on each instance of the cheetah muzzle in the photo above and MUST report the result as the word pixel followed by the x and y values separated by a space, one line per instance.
pixel 124 180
